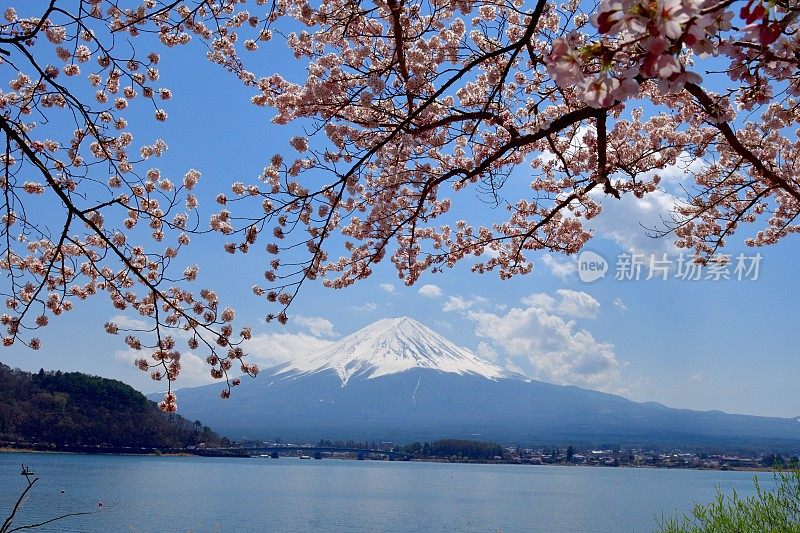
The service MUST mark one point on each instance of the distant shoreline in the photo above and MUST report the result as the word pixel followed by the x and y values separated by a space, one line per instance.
pixel 70 452
pixel 441 460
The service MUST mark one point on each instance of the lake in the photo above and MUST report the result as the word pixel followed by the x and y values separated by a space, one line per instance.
pixel 166 494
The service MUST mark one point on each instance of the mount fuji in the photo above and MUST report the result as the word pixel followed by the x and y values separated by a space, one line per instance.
pixel 398 380
pixel 390 346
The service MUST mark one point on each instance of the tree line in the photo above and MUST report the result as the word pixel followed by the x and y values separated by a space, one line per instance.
pixel 460 448
pixel 71 409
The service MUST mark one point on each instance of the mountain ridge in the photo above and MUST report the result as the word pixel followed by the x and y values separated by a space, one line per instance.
pixel 322 397
pixel 392 345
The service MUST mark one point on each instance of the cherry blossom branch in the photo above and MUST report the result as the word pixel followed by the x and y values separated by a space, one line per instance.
pixel 711 109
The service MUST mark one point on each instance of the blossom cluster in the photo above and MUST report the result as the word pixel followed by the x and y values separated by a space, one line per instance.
pixel 125 222
pixel 410 111
pixel 414 106
pixel 640 40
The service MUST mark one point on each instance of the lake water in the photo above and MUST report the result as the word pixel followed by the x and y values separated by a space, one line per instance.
pixel 165 494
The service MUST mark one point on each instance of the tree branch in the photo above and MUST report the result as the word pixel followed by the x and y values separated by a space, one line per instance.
pixel 736 145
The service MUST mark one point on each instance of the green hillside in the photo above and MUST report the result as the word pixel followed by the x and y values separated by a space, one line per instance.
pixel 71 409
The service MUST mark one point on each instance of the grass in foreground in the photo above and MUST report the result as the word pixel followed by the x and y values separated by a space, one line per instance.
pixel 772 511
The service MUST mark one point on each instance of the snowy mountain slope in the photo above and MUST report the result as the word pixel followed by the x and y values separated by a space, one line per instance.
pixel 422 404
pixel 389 346
pixel 397 380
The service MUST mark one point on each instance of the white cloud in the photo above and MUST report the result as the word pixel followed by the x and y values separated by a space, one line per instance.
pixel 619 304
pixel 266 349
pixel 509 365
pixel 141 328
pixel 560 268
pixel 128 356
pixel 369 306
pixel 430 291
pixel 629 221
pixel 697 377
pixel 550 348
pixel 276 348
pixel 575 144
pixel 685 167
pixel 318 326
pixel 539 299
pixel 577 304
pixel 489 253
pixel 388 287
pixel 194 369
pixel 130 323
pixel 458 303
pixel 485 351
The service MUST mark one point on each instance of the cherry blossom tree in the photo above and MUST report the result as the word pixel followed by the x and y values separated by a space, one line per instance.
pixel 119 225
pixel 409 109
pixel 411 105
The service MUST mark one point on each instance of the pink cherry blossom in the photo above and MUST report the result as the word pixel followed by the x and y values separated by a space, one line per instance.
pixel 599 91
pixel 405 109
pixel 672 14
pixel 564 64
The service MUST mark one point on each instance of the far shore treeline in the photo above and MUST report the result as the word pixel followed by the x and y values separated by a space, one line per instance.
pixel 70 410
pixel 468 449
pixel 472 450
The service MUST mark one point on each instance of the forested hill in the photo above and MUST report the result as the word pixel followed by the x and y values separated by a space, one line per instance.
pixel 73 409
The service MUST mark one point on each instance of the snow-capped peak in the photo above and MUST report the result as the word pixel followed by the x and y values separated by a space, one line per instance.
pixel 389 346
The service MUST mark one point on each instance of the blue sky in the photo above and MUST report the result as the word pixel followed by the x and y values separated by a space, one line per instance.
pixel 696 344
